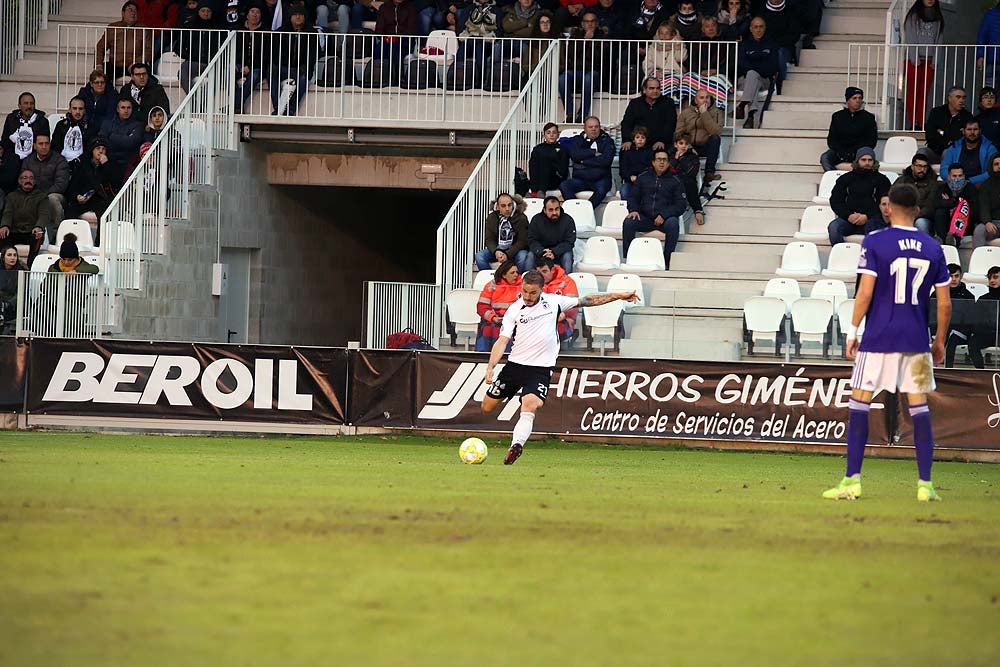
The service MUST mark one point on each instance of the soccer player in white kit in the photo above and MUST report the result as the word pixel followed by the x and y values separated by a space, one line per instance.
pixel 532 323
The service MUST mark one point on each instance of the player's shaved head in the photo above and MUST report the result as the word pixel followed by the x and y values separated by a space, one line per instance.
pixel 903 195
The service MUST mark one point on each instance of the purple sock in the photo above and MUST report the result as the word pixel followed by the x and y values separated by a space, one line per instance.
pixel 857 435
pixel 923 439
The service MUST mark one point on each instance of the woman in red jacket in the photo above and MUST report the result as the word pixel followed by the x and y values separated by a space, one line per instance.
pixel 498 295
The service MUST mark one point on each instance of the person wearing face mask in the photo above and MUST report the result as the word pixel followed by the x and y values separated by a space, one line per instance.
pixel 972 151
pixel 989 206
pixel 955 187
pixel 548 165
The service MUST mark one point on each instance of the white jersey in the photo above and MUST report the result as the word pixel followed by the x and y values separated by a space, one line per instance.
pixel 534 329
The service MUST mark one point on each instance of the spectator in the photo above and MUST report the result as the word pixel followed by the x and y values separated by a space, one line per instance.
pixel 686 163
pixel 396 17
pixel 10 169
pixel 51 177
pixel 197 49
pixel 988 115
pixel 923 28
pixel 94 184
pixel 654 112
pixel 145 91
pixel 294 54
pixel 687 21
pixel 734 19
pixel 123 135
pixel 656 203
pixel 250 60
pixel 557 281
pixel 648 17
pixel 21 126
pixel 363 10
pixel 592 154
pixel 70 260
pixel 612 18
pixel 988 37
pixel 811 17
pixel 702 121
pixel 10 264
pixel 881 219
pixel 665 55
pixel 543 31
pixel 961 335
pixel 985 335
pixel 73 133
pixel 712 57
pixel 920 175
pixel 154 125
pixel 784 28
pixel 633 162
pixel 973 152
pixel 548 166
pixel 519 20
pixel 955 187
pixel 856 196
pixel 581 59
pixel 342 10
pixel 99 98
pixel 989 206
pixel 26 216
pixel 437 15
pixel 851 128
pixel 758 62
pixel 497 296
pixel 123 44
pixel 552 234
pixel 506 234
pixel 479 19
pixel 944 124
pixel 158 13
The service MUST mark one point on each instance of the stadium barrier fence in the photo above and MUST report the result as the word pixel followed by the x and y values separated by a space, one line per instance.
pixel 60 305
pixel 20 23
pixel 908 80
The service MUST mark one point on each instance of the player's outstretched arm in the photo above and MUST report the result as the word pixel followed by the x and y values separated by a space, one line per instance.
pixel 943 294
pixel 600 298
pixel 495 354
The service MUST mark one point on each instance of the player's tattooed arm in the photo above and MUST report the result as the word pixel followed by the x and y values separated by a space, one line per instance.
pixel 600 298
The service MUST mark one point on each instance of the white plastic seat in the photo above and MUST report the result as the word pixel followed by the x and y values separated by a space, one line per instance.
pixel 898 154
pixel 800 259
pixel 982 259
pixel 570 132
pixel 644 254
pixel 843 262
pixel 815 223
pixel 826 187
pixel 763 316
pixel 891 175
pixel 951 254
pixel 43 263
pixel 977 289
pixel 586 283
pixel 845 313
pixel 84 237
pixel 786 289
pixel 445 41
pixel 834 291
pixel 463 314
pixel 587 194
pixel 582 213
pixel 613 218
pixel 811 320
pixel 628 282
pixel 169 68
pixel 533 206
pixel 481 279
pixel 600 254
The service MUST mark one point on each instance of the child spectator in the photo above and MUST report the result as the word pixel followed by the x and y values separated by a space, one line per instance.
pixel 633 162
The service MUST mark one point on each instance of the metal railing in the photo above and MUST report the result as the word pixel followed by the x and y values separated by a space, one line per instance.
pixel 895 14
pixel 392 307
pixel 61 305
pixel 20 23
pixel 909 80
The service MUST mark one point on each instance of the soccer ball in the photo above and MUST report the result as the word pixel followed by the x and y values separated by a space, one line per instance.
pixel 472 451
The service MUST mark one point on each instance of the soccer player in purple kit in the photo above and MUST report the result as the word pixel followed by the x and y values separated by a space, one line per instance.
pixel 899 268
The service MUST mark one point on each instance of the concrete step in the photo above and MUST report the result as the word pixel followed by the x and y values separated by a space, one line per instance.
pixel 851 21
pixel 39 65
pixel 745 246
pixel 755 236
pixel 730 167
pixel 822 86
pixel 742 208
pixel 705 299
pixel 665 326
pixel 726 260
pixel 733 228
pixel 825 57
pixel 45 94
pixel 762 185
pixel 789 120
pixel 764 150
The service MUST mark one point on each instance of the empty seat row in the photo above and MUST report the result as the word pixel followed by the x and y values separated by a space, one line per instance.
pixel 811 320
pixel 800 259
pixel 789 291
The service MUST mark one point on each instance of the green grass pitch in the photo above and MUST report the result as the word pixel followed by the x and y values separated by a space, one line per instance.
pixel 135 550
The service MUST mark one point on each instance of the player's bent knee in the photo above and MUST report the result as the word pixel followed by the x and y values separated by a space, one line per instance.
pixel 530 403
pixel 489 404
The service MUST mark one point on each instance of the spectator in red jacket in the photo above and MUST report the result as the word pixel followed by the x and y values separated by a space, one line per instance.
pixel 498 295
pixel 558 282
pixel 158 13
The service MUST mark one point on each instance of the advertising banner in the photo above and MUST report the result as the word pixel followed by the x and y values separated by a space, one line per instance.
pixel 13 370
pixel 683 400
pixel 188 381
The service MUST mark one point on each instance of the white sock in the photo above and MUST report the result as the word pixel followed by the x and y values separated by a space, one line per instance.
pixel 522 429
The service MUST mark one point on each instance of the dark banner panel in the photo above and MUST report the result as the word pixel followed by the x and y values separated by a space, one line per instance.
pixel 13 372
pixel 382 388
pixel 682 400
pixel 188 381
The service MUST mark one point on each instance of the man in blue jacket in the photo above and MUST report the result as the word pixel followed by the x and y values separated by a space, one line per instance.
pixel 973 151
pixel 656 202
pixel 758 58
pixel 988 39
pixel 592 154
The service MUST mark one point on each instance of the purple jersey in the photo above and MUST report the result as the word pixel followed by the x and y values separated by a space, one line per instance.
pixel 907 265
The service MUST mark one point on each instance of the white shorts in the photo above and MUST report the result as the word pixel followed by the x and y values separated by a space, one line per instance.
pixel 898 372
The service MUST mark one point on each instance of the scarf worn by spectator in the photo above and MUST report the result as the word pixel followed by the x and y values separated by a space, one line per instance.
pixel 505 232
pixel 525 14
pixel 687 19
pixel 23 137
pixel 776 6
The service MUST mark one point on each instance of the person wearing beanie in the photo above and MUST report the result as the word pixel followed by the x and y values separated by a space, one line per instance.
pixel 851 128
pixel 70 260
pixel 294 55
pixel 855 198
pixel 988 114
